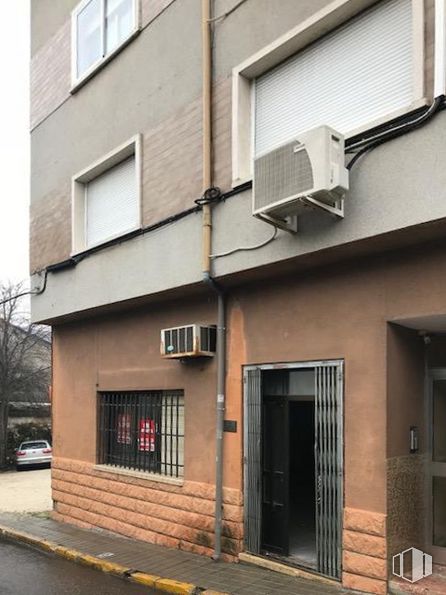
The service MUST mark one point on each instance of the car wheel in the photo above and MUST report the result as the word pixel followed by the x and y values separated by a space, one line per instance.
pixel 19 468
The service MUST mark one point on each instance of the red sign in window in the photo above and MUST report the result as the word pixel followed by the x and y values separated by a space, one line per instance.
pixel 146 440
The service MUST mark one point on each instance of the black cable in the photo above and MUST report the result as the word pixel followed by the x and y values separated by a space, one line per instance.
pixel 213 194
pixel 30 292
pixel 227 13
pixel 397 131
pixel 210 195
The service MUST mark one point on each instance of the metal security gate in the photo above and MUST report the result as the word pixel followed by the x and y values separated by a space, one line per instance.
pixel 328 449
pixel 252 459
pixel 328 462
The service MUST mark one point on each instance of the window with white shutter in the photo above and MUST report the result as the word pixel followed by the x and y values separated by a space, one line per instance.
pixel 106 197
pixel 352 77
pixel 111 203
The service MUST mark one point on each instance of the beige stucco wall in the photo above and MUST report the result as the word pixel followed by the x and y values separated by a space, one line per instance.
pixel 161 67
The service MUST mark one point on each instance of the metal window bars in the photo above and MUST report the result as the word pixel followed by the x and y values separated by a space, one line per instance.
pixel 143 431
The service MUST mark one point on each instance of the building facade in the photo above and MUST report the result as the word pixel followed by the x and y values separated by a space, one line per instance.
pixel 148 121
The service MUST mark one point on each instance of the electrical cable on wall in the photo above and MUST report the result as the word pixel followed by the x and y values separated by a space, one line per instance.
pixel 366 145
pixel 210 195
pixel 30 292
pixel 247 248
pixel 227 13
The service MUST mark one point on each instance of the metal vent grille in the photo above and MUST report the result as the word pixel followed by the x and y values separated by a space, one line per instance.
pixel 188 341
pixel 208 338
pixel 281 174
pixel 179 340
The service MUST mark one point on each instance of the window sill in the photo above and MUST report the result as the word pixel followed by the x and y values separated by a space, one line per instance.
pixel 83 80
pixel 177 481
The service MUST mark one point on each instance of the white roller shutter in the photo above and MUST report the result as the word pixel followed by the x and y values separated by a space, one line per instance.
pixel 353 76
pixel 112 203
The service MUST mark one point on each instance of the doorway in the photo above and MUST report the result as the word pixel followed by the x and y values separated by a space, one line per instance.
pixel 293 464
pixel 437 465
pixel 302 527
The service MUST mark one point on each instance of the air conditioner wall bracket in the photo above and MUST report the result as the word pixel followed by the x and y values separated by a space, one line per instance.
pixel 289 224
pixel 337 209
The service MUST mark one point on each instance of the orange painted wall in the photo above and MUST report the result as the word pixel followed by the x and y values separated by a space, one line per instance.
pixel 332 313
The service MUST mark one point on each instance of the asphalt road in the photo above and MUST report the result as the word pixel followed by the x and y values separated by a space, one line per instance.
pixel 24 570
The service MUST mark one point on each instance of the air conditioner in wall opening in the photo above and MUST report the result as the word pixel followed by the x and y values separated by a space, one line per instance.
pixel 192 340
pixel 306 172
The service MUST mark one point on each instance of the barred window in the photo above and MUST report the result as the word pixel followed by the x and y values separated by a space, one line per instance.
pixel 143 431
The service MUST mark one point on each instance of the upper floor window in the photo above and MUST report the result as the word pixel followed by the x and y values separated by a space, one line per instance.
pixel 100 27
pixel 342 67
pixel 106 197
pixel 111 203
pixel 352 77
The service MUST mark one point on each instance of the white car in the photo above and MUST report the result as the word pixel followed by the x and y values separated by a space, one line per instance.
pixel 33 452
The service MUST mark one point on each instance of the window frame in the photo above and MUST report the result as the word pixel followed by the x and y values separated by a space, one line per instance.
pixel 79 80
pixel 315 27
pixel 143 467
pixel 133 146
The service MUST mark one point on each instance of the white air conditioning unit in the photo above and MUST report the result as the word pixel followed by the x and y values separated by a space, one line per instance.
pixel 309 171
pixel 192 340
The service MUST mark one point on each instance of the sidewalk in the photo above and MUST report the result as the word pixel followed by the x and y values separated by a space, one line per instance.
pixel 194 573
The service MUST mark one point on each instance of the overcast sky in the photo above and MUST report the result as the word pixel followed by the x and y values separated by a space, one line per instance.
pixel 14 143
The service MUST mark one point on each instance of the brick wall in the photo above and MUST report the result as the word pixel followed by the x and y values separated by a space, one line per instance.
pixel 364 551
pixel 221 133
pixel 174 516
pixel 171 176
pixel 172 170
pixel 51 75
pixel 51 65
pixel 172 156
pixel 50 228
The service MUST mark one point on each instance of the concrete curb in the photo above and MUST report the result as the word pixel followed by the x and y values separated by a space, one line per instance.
pixel 276 566
pixel 158 583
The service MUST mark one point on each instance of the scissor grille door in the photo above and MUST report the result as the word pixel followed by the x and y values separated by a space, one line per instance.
pixel 328 462
pixel 253 468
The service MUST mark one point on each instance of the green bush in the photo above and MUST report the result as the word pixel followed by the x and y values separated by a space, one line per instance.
pixel 22 432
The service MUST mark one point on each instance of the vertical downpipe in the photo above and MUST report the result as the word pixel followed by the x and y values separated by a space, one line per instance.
pixel 207 130
pixel 206 267
pixel 221 373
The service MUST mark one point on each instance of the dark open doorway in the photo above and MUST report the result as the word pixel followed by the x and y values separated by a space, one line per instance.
pixel 293 463
pixel 302 525
pixel 288 465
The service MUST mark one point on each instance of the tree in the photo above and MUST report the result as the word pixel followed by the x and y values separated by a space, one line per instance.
pixel 25 364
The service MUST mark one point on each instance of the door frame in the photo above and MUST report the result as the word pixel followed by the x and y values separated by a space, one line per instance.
pixel 340 364
pixel 438 552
